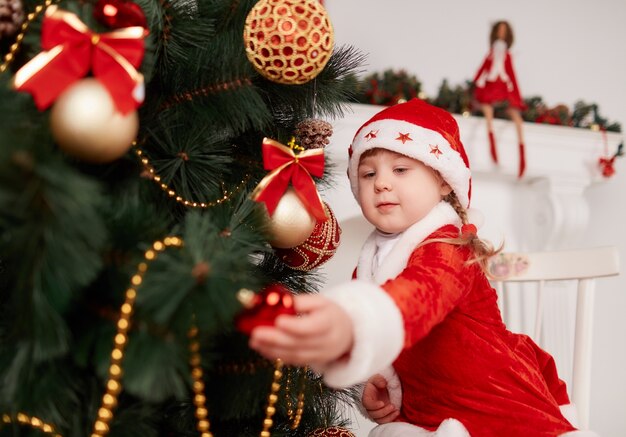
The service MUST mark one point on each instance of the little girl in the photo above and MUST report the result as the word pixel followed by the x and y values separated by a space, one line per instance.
pixel 495 82
pixel 420 299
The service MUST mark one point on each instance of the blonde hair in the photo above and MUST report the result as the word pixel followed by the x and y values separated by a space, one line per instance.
pixel 482 250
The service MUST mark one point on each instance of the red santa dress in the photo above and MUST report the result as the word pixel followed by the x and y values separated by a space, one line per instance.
pixel 436 319
pixel 495 81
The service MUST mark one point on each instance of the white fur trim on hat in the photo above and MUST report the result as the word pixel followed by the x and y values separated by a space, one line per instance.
pixel 378 333
pixel 425 145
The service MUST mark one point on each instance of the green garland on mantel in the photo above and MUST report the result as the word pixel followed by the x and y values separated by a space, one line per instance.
pixel 391 87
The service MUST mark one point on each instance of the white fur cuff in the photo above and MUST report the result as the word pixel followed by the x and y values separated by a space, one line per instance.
pixel 378 333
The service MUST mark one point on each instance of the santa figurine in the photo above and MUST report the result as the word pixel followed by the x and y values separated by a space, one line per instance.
pixel 495 83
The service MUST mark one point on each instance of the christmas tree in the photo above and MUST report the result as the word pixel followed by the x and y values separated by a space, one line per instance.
pixel 131 244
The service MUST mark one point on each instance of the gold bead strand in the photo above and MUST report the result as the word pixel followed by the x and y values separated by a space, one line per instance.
pixel 272 399
pixel 300 403
pixel 33 422
pixel 149 169
pixel 9 57
pixel 114 385
pixel 199 398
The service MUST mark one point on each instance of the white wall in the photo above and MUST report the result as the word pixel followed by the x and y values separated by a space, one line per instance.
pixel 564 51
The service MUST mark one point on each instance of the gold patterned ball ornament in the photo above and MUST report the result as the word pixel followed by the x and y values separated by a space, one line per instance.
pixel 291 224
pixel 288 41
pixel 86 124
pixel 333 431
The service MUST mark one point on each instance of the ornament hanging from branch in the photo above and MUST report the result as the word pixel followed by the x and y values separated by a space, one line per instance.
pixel 293 210
pixel 118 14
pixel 288 41
pixel 607 163
pixel 333 431
pixel 318 248
pixel 95 118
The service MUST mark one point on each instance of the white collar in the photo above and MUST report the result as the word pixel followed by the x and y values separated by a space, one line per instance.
pixel 390 267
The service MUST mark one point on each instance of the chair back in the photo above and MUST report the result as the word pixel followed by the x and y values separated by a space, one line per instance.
pixel 548 270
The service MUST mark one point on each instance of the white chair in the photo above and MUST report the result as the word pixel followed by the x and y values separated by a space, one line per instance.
pixel 582 266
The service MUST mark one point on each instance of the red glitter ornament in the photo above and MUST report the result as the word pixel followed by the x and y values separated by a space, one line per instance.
pixel 317 249
pixel 263 308
pixel 117 14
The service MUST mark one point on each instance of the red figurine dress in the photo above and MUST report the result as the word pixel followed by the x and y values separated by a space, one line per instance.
pixel 436 319
pixel 495 81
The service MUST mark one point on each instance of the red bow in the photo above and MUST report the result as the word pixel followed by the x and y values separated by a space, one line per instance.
pixel 71 50
pixel 288 167
pixel 606 165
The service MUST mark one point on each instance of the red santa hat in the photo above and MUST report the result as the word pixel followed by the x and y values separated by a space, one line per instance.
pixel 420 131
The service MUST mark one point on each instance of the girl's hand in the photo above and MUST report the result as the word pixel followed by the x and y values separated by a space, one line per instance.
pixel 320 334
pixel 376 401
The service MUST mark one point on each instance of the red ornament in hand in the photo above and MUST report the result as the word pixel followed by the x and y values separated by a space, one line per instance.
pixel 117 14
pixel 263 308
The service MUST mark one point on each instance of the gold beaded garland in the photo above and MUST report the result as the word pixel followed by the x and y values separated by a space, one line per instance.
pixel 151 174
pixel 31 421
pixel 288 41
pixel 9 57
pixel 113 384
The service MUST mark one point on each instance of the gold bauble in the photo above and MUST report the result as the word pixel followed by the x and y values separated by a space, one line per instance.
pixel 291 224
pixel 86 124
pixel 333 431
pixel 288 41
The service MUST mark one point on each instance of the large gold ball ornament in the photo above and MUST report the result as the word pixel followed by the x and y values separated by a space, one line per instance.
pixel 288 41
pixel 86 124
pixel 333 431
pixel 291 224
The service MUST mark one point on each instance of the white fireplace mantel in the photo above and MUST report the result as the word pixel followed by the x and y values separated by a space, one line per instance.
pixel 546 209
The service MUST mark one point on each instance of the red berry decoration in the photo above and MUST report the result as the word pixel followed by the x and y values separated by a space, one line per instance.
pixel 263 308
pixel 117 14
pixel 317 249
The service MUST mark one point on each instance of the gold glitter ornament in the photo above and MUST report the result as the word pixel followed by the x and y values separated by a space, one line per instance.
pixel 86 124
pixel 291 224
pixel 288 41
pixel 318 248
pixel 333 431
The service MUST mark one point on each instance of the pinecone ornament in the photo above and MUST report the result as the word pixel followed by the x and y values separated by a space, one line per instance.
pixel 11 17
pixel 313 133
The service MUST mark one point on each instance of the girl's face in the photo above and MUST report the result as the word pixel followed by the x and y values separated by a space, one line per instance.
pixel 396 191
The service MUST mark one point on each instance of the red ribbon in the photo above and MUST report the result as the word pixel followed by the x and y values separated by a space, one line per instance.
pixel 71 50
pixel 288 167
pixel 468 230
